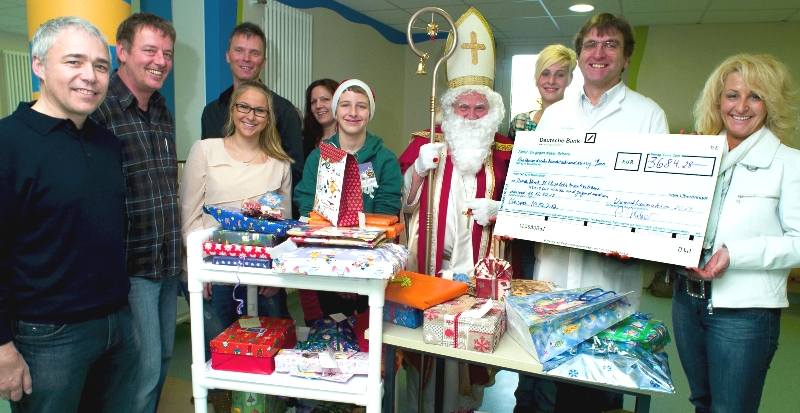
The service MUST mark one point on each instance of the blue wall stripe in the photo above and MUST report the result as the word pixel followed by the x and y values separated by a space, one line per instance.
pixel 390 33
pixel 220 16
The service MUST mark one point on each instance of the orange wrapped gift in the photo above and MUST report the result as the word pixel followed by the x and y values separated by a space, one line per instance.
pixel 392 230
pixel 388 223
pixel 425 291
pixel 380 219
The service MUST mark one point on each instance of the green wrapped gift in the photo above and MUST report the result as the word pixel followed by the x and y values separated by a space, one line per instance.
pixel 652 335
pixel 254 239
pixel 247 402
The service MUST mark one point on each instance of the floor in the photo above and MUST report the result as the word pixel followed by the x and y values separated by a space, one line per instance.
pixel 780 393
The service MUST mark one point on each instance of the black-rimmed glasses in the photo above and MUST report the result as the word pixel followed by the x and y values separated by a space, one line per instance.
pixel 244 108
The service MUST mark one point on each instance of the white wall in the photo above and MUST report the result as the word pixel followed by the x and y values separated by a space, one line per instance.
pixel 678 59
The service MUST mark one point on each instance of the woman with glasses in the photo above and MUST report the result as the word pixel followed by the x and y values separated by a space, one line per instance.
pixel 353 106
pixel 726 313
pixel 247 163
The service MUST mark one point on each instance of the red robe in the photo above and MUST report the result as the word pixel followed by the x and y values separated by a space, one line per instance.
pixel 501 156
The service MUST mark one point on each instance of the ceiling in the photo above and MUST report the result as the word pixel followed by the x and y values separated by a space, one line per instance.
pixel 521 19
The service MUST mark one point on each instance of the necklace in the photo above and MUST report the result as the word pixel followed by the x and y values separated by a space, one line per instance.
pixel 236 151
pixel 245 162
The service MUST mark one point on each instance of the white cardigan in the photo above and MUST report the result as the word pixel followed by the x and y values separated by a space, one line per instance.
pixel 760 225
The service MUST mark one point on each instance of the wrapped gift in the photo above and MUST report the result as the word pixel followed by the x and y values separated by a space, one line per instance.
pixel 328 333
pixel 248 402
pixel 402 315
pixel 603 362
pixel 342 242
pixel 492 278
pixel 652 335
pixel 423 291
pixel 522 288
pixel 370 218
pixel 467 323
pixel 382 262
pixel 244 262
pixel 252 349
pixel 548 324
pixel 235 250
pixel 295 361
pixel 233 219
pixel 256 239
pixel 363 234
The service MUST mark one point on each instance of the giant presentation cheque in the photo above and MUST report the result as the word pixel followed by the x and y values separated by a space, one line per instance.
pixel 642 195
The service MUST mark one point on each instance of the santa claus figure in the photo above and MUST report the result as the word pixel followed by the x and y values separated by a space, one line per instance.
pixel 469 161
pixel 468 164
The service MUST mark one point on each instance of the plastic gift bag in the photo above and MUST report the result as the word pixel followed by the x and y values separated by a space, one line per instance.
pixel 617 364
pixel 549 324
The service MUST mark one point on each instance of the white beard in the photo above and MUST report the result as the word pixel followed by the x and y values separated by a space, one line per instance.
pixel 469 141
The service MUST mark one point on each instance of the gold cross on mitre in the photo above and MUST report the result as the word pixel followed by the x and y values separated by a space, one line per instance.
pixel 465 67
pixel 474 45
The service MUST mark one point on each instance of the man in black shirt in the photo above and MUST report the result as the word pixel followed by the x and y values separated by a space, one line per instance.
pixel 67 342
pixel 246 55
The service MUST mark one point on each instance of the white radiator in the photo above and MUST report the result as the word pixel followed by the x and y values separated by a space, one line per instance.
pixel 288 68
pixel 15 81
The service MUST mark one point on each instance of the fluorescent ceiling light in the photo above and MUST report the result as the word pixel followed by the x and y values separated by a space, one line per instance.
pixel 581 7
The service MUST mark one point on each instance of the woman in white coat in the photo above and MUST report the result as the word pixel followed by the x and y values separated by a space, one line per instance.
pixel 726 313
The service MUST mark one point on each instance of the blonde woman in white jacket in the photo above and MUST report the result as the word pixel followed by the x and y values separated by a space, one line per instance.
pixel 726 313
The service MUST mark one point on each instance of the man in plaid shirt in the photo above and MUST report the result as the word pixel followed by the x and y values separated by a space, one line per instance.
pixel 135 111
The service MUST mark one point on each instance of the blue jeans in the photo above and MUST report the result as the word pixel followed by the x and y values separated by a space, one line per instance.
pixel 725 355
pixel 154 305
pixel 82 367
pixel 220 312
pixel 535 394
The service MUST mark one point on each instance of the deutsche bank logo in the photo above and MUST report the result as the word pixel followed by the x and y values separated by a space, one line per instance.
pixel 590 138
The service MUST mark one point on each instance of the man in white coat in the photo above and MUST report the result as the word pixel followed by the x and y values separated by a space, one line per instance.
pixel 604 46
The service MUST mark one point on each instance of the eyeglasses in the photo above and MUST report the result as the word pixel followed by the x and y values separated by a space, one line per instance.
pixel 610 45
pixel 243 108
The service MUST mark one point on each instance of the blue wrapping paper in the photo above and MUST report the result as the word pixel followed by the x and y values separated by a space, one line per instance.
pixel 326 333
pixel 244 262
pixel 548 324
pixel 616 364
pixel 402 315
pixel 233 219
